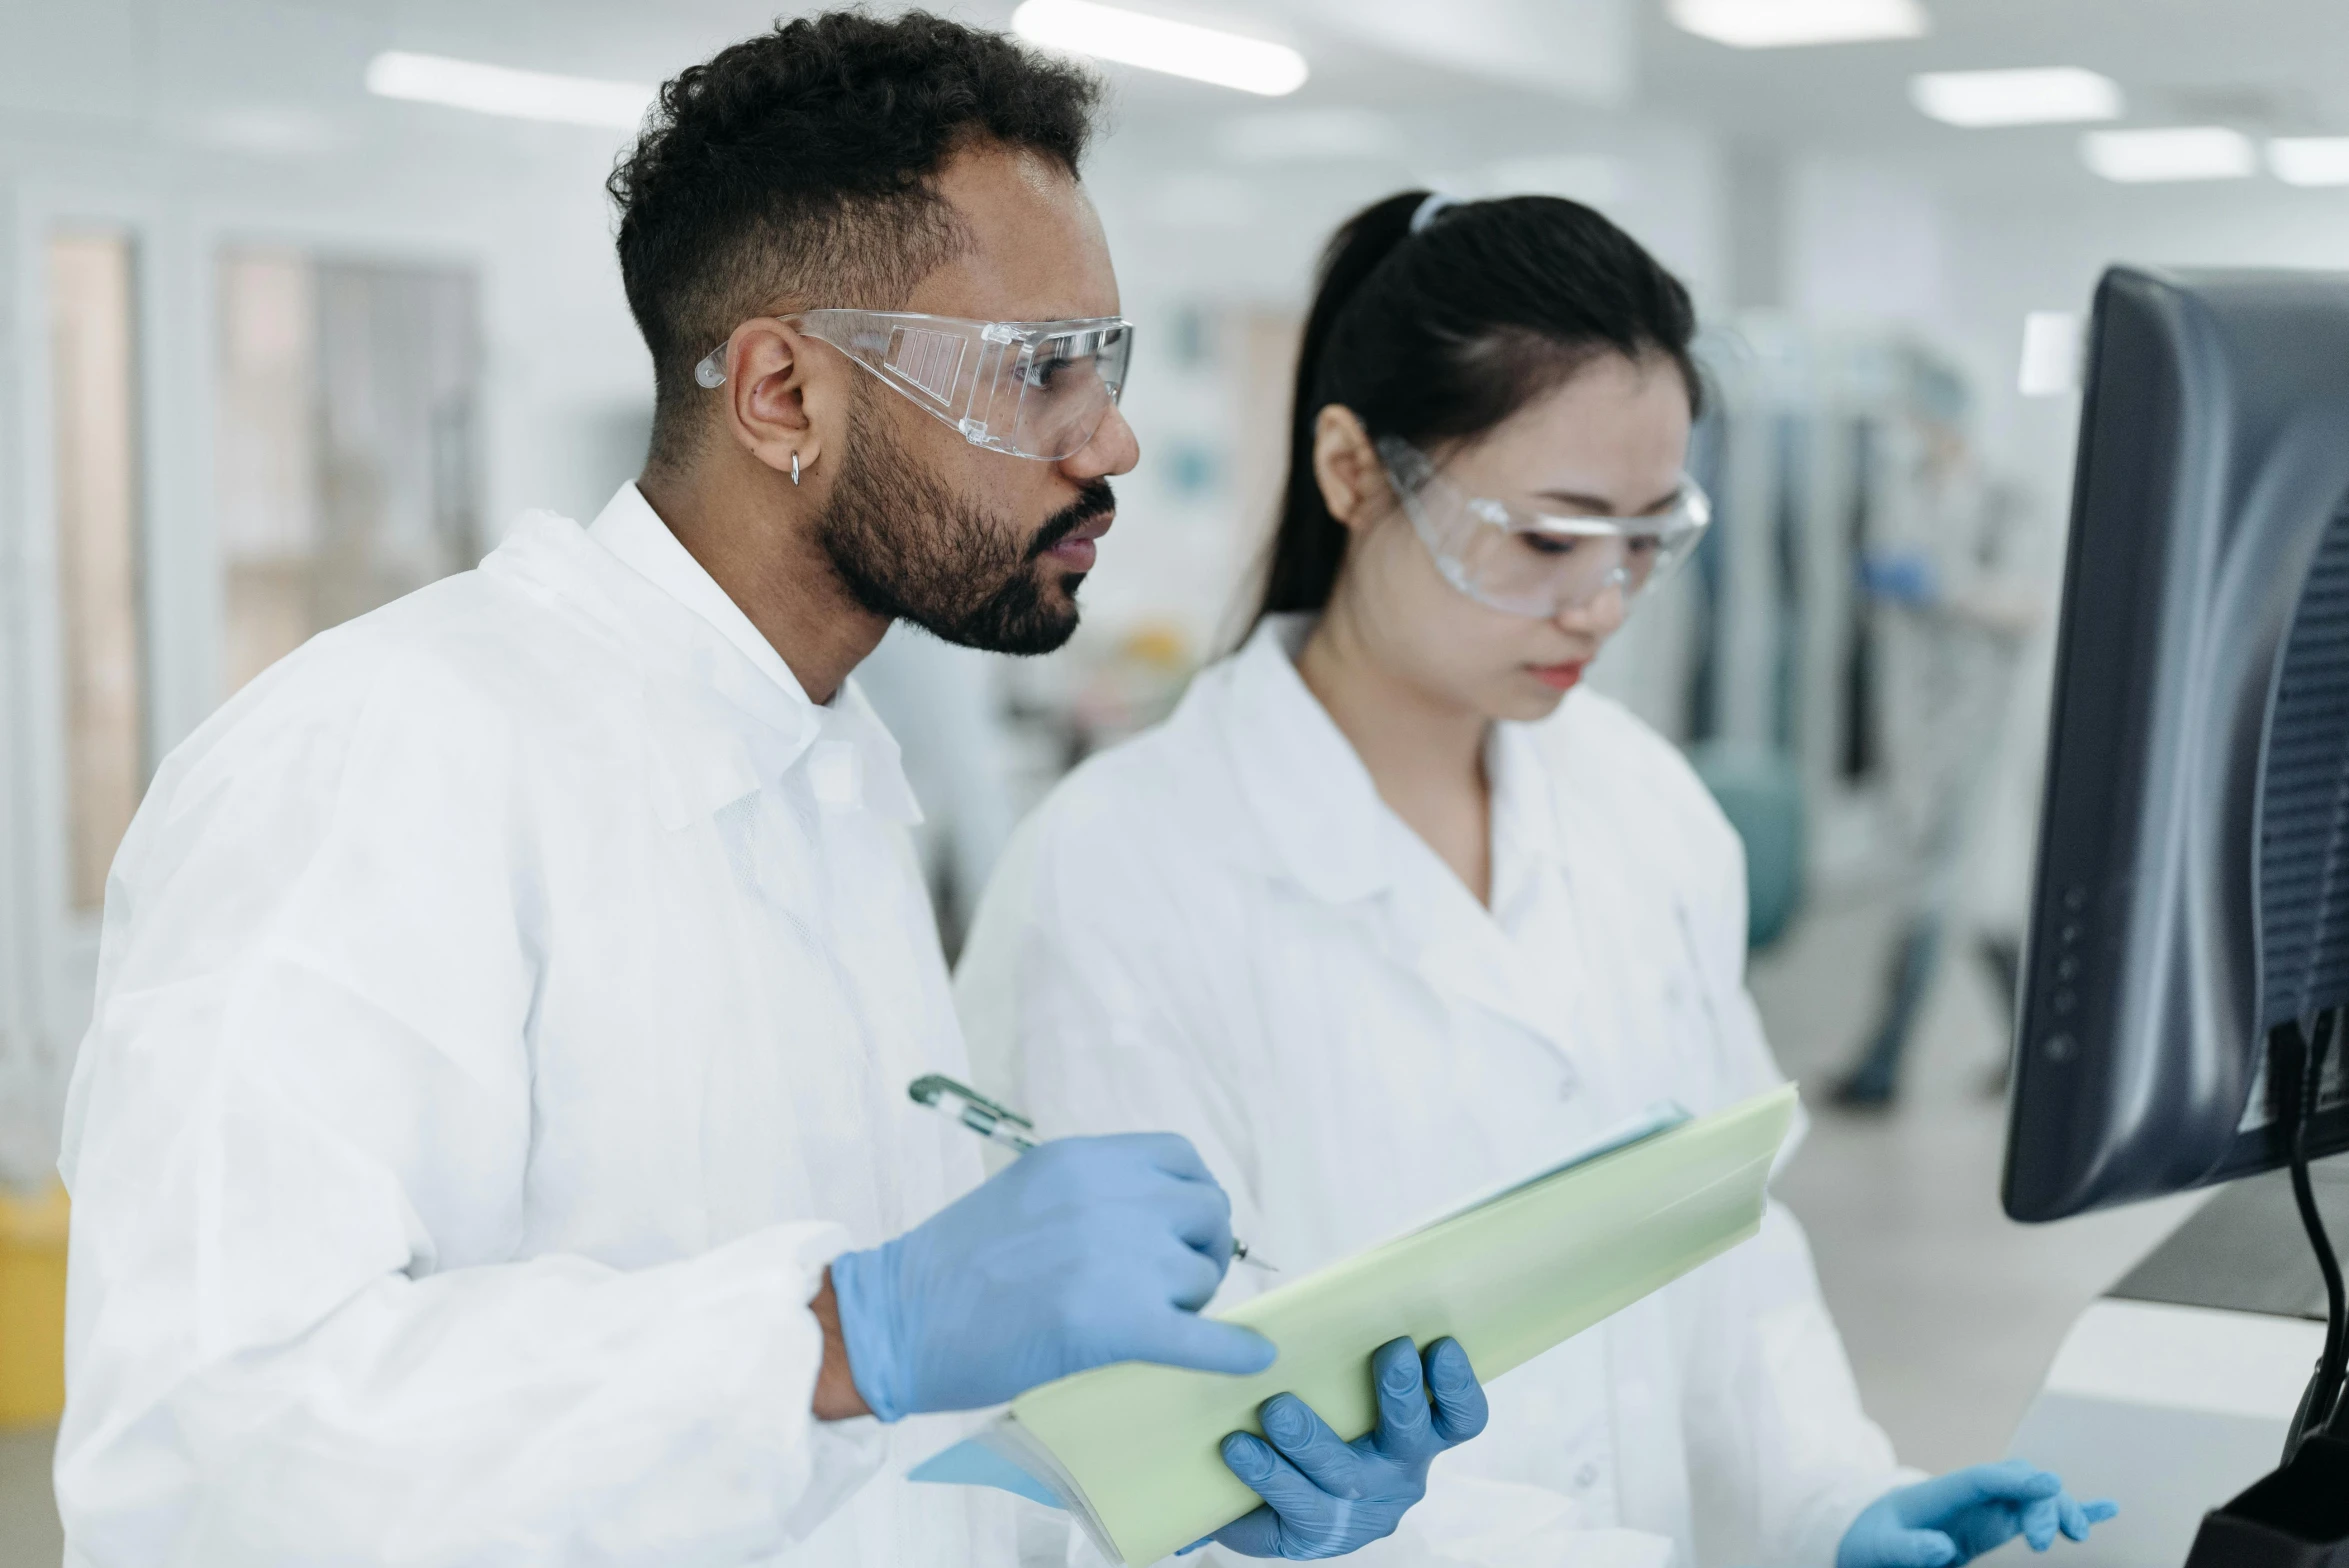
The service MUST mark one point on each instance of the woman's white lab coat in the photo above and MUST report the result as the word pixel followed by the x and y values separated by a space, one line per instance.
pixel 1220 928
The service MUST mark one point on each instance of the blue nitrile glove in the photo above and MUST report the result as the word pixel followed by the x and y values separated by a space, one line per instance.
pixel 1324 1498
pixel 1081 1252
pixel 1901 576
pixel 1955 1518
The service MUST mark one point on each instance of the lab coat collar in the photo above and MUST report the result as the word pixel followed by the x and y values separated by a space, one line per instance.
pixel 633 531
pixel 1526 832
pixel 852 759
pixel 1332 835
pixel 1300 776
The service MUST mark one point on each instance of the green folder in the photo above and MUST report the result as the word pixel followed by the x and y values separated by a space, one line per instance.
pixel 1131 1450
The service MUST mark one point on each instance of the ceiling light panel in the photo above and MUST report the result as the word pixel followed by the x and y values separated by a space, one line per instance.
pixel 1780 24
pixel 2310 160
pixel 498 89
pixel 2185 152
pixel 1157 43
pixel 2054 95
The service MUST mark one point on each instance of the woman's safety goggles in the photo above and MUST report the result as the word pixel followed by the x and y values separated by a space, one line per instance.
pixel 1028 388
pixel 1537 563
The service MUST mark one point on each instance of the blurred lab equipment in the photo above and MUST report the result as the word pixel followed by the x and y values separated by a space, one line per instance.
pixel 996 1293
pixel 1860 608
pixel 1759 792
pixel 2189 948
pixel 1778 707
pixel 32 1306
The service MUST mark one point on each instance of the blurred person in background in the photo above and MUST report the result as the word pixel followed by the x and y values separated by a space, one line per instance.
pixel 1957 591
pixel 1388 910
pixel 491 1142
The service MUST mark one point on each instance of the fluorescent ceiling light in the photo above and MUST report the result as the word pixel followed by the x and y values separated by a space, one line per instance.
pixel 2052 348
pixel 2185 152
pixel 2053 96
pixel 1156 43
pixel 1778 24
pixel 1308 135
pixel 498 89
pixel 2310 160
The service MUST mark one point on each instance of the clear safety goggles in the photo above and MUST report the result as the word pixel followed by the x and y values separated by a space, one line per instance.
pixel 1538 563
pixel 1027 388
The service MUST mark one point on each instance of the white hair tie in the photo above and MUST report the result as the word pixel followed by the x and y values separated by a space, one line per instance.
pixel 1429 209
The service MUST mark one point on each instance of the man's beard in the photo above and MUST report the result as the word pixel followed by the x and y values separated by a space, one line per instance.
pixel 911 549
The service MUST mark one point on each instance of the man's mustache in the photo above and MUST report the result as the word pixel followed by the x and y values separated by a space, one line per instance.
pixel 1098 500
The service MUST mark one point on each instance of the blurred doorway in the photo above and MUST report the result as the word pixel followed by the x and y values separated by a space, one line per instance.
pixel 94 397
pixel 348 463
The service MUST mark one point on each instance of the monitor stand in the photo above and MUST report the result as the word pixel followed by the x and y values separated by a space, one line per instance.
pixel 2295 1517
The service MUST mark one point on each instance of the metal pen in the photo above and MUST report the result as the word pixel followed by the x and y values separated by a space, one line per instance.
pixel 999 1123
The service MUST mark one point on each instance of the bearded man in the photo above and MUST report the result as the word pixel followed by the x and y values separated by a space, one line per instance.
pixel 492 1144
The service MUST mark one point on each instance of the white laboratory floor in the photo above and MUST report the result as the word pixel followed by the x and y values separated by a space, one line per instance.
pixel 1950 1311
pixel 29 1537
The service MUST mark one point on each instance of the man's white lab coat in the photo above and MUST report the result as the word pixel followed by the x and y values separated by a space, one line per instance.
pixel 505 1011
pixel 1220 929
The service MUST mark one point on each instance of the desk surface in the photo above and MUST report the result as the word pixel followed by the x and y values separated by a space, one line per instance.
pixel 2245 1251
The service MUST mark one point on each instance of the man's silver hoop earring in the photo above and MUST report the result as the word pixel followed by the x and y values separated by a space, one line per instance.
pixel 795 468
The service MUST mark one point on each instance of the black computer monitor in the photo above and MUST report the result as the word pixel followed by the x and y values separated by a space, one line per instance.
pixel 2193 884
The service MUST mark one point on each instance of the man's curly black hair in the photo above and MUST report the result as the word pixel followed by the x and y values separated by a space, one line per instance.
pixel 798 164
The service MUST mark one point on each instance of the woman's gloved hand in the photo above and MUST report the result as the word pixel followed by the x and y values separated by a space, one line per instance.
pixel 1955 1518
pixel 1081 1252
pixel 1323 1497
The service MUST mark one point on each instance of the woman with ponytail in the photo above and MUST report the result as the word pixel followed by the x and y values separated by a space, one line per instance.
pixel 1389 910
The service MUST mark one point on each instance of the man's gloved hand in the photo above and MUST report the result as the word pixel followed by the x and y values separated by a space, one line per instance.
pixel 1955 1518
pixel 1082 1252
pixel 1324 1498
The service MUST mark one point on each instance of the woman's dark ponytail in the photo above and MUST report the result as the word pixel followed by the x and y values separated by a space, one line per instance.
pixel 1441 335
pixel 1310 543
